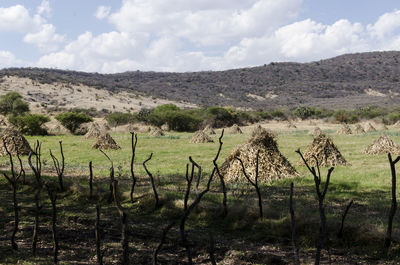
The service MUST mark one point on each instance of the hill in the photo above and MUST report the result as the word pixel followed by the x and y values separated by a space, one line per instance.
pixel 347 81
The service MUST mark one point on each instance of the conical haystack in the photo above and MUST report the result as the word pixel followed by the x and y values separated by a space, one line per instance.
pixel 201 137
pixel 165 127
pixel 291 125
pixel 209 130
pixel 155 131
pixel 397 124
pixel 345 129
pixel 384 128
pixel 359 129
pixel 325 151
pixel 94 131
pixel 235 129
pixel 383 145
pixel 370 128
pixel 105 141
pixel 261 131
pixel 15 142
pixel 317 131
pixel 272 164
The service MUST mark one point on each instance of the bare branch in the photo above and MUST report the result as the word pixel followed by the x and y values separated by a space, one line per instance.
pixel 152 181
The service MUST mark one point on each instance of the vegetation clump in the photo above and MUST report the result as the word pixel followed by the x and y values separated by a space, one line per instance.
pixel 272 164
pixel 201 137
pixel 324 152
pixel 383 145
pixel 105 141
pixel 16 143
pixel 72 120
pixel 235 129
pixel 359 129
pixel 345 129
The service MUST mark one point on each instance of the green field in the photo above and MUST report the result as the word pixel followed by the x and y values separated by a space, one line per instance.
pixel 241 236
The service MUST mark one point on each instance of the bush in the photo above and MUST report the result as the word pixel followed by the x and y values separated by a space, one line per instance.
pixel 117 118
pixel 391 118
pixel 30 124
pixel 220 117
pixel 13 103
pixel 345 116
pixel 278 114
pixel 181 121
pixel 72 120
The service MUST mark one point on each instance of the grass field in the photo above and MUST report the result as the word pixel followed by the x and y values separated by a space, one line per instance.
pixel 241 237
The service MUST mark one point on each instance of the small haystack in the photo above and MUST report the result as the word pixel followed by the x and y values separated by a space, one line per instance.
pixel 383 145
pixel 359 129
pixel 105 141
pixel 384 128
pixel 15 141
pixel 397 124
pixel 272 164
pixel 317 131
pixel 235 129
pixel 165 127
pixel 325 151
pixel 94 131
pixel 345 129
pixel 155 131
pixel 209 130
pixel 291 125
pixel 201 137
pixel 370 128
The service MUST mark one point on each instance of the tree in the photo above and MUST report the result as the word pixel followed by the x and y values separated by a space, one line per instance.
pixel 72 120
pixel 30 124
pixel 13 103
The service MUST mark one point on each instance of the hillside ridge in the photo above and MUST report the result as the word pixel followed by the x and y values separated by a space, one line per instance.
pixel 346 81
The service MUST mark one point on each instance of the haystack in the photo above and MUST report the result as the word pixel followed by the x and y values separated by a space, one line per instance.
pixel 94 131
pixel 370 128
pixel 291 125
pixel 345 129
pixel 201 137
pixel 397 124
pixel 235 129
pixel 105 141
pixel 317 131
pixel 105 127
pixel 383 145
pixel 165 127
pixel 325 151
pixel 209 130
pixel 384 128
pixel 359 129
pixel 155 131
pixel 272 164
pixel 15 141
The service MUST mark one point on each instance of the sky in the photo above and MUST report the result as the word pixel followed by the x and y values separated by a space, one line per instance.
pixel 109 36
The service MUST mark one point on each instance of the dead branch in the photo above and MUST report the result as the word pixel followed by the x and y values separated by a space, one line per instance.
pixel 211 250
pixel 98 239
pixel 111 176
pixel 53 198
pixel 124 229
pixel 162 241
pixel 393 208
pixel 152 181
pixel 37 170
pixel 90 180
pixel 295 247
pixel 188 186
pixel 133 146
pixel 59 169
pixel 13 181
pixel 321 197
pixel 254 183
pixel 340 233
pixel 221 177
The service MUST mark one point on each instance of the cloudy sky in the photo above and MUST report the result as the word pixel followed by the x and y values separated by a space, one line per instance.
pixel 111 36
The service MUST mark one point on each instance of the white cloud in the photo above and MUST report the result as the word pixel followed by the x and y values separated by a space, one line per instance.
pixel 46 38
pixel 102 12
pixel 44 8
pixel 7 59
pixel 17 19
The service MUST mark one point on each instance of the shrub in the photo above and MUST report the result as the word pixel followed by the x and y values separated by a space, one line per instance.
pixel 305 112
pixel 118 118
pixel 30 124
pixel 345 116
pixel 278 114
pixel 391 118
pixel 181 121
pixel 220 117
pixel 13 103
pixel 72 120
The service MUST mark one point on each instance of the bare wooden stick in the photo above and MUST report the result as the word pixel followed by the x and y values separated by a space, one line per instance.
pixel 13 181
pixel 321 207
pixel 111 175
pixel 124 229
pixel 90 180
pixel 340 233
pixel 133 146
pixel 221 177
pixel 211 250
pixel 162 241
pixel 59 169
pixel 254 183
pixel 152 181
pixel 393 208
pixel 99 254
pixel 53 198
pixel 37 169
pixel 294 243
pixel 188 186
